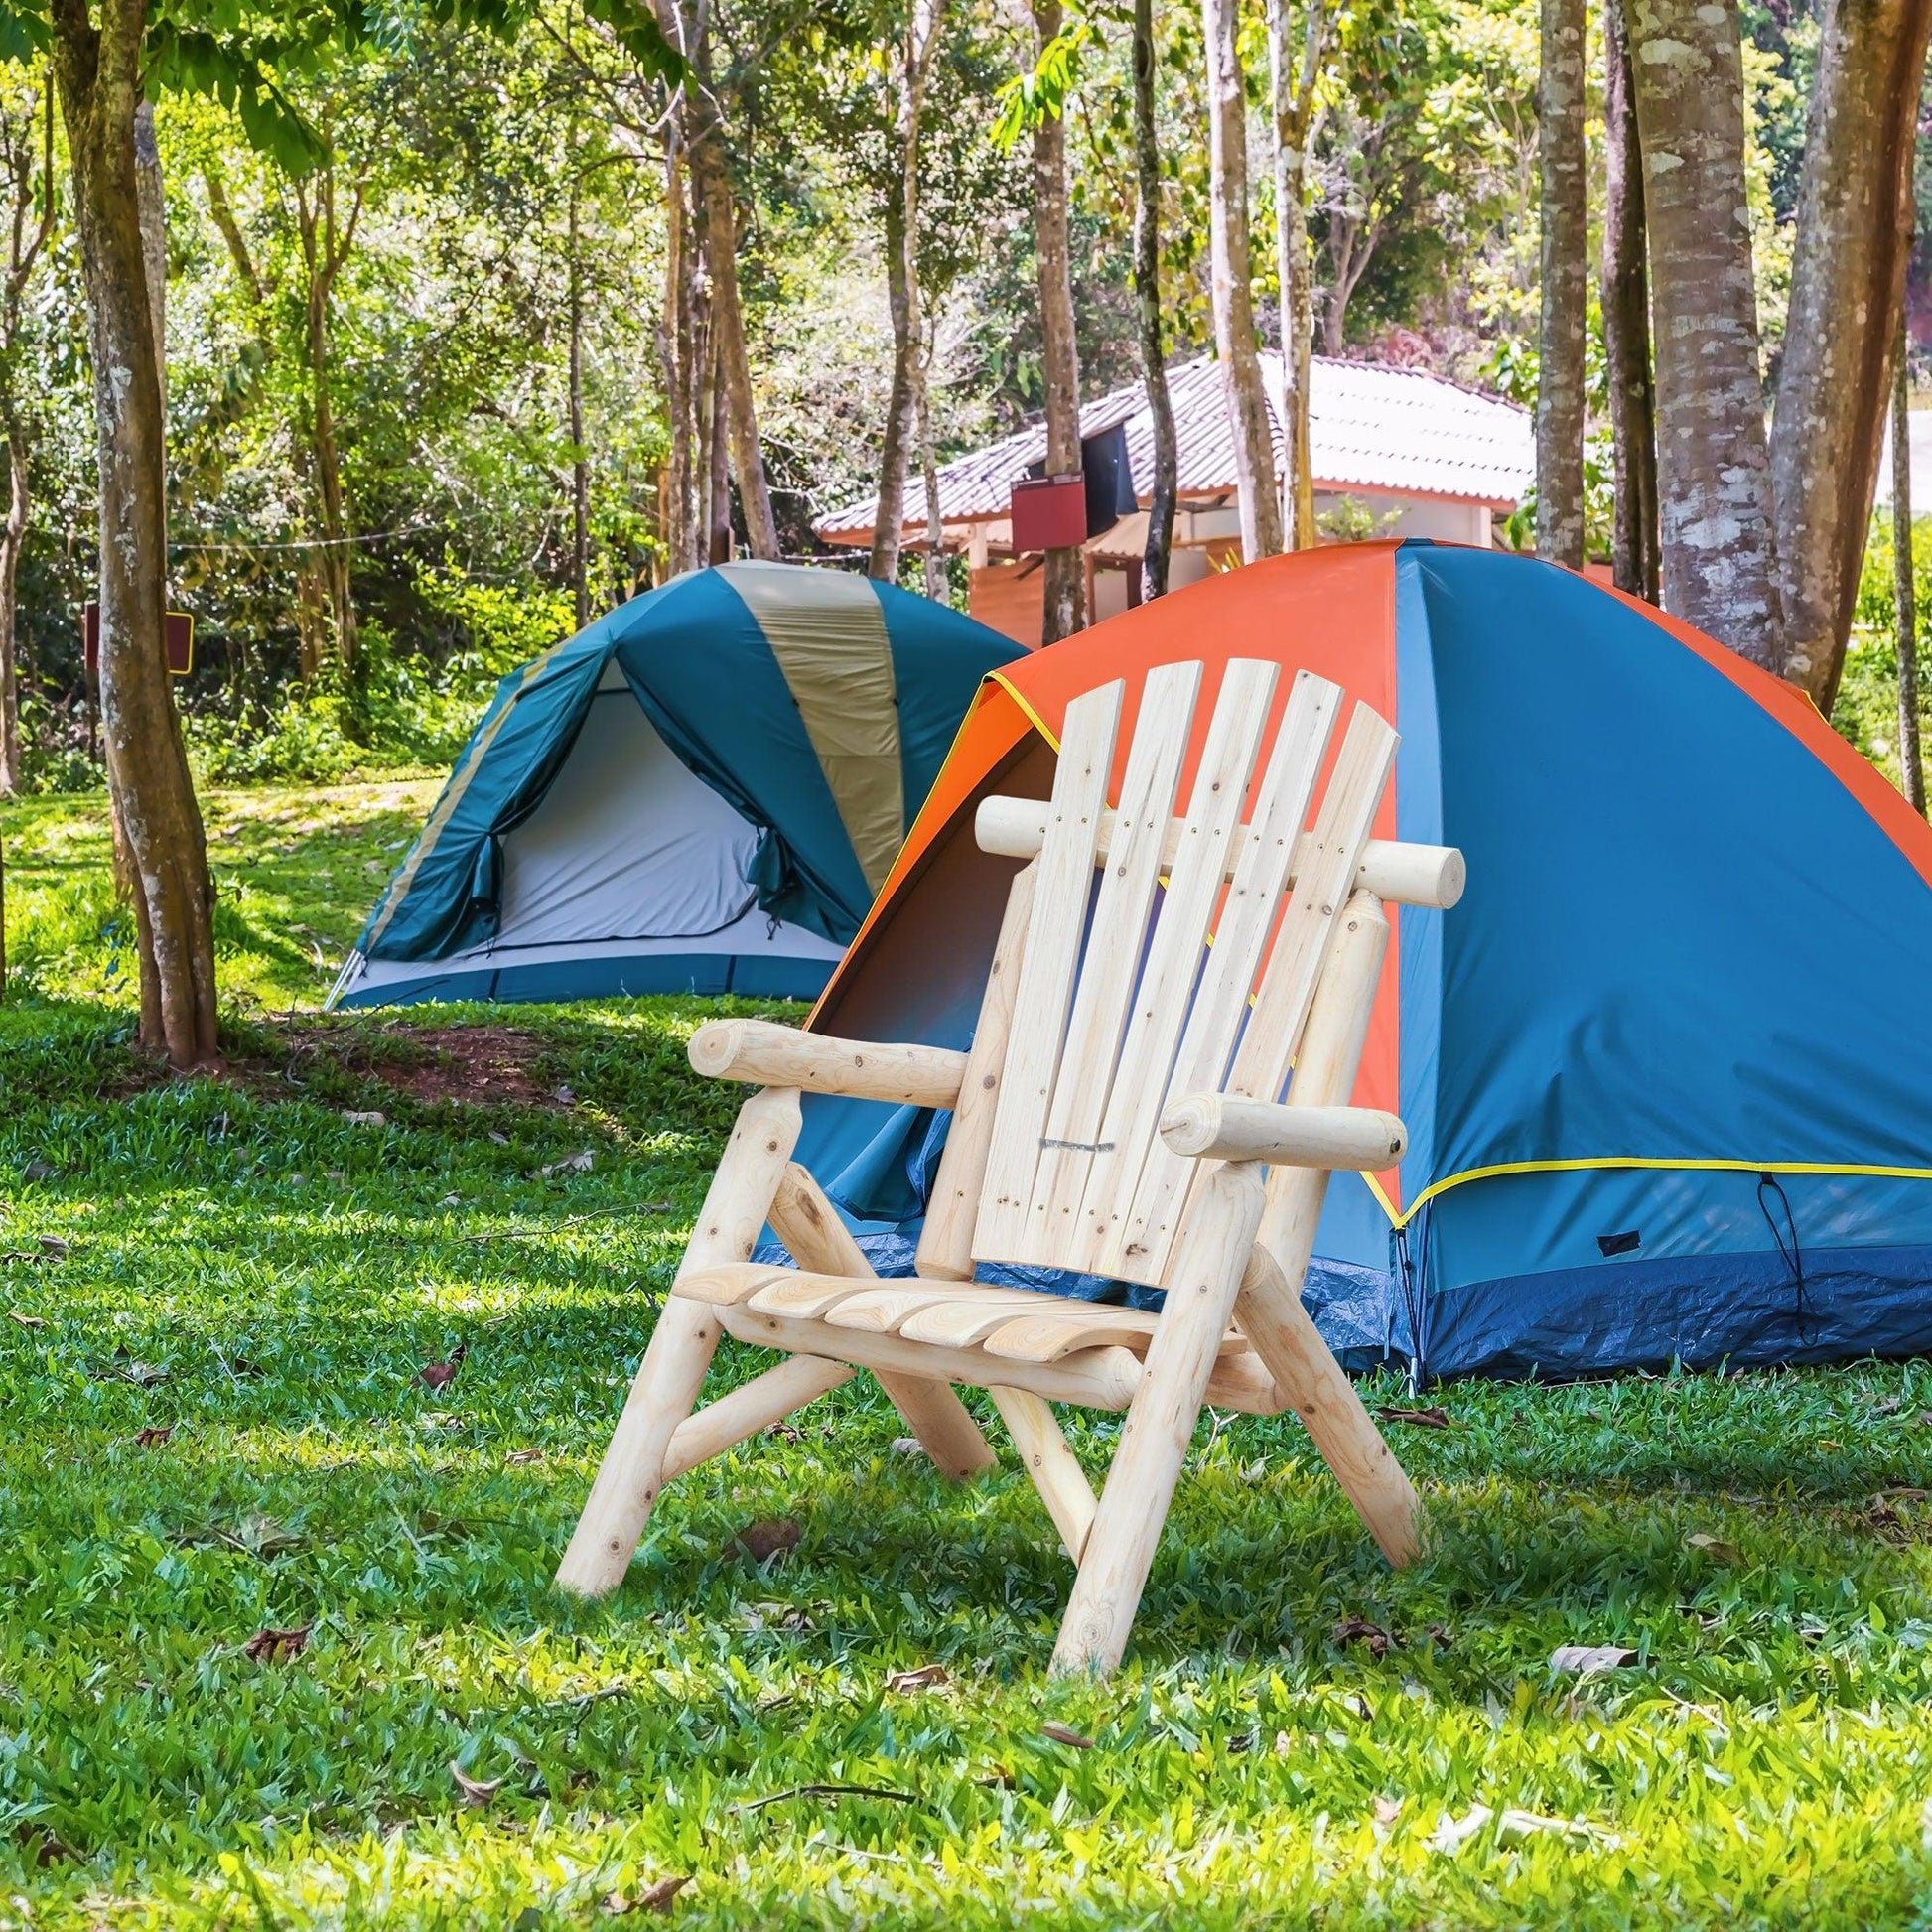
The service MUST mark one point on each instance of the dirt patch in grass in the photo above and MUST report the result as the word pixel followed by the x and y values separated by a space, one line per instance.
pixel 481 1066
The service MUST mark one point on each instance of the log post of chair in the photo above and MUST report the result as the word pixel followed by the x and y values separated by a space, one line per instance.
pixel 821 1244
pixel 1220 1126
pixel 1055 1470
pixel 681 1346
pixel 1203 1284
pixel 1270 1310
pixel 767 1055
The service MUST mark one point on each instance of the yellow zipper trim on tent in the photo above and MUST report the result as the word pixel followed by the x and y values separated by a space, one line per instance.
pixel 1033 716
pixel 1639 1160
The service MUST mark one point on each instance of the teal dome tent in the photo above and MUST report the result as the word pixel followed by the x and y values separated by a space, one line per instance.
pixel 701 793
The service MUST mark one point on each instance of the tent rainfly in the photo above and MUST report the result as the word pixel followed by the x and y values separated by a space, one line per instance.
pixel 1664 1067
pixel 698 793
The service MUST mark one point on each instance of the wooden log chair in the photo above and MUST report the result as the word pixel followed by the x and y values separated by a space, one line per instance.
pixel 1119 1113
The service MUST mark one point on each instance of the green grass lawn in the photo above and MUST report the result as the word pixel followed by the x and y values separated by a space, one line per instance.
pixel 216 1300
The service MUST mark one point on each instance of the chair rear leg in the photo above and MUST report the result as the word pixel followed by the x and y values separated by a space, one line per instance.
pixel 681 1346
pixel 1202 1285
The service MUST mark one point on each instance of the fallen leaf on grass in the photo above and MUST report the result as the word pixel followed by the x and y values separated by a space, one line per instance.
pixel 1714 1547
pixel 907 1446
pixel 1438 1636
pixel 516 1457
pixel 763 1540
pixel 152 1438
pixel 371 1117
pixel 475 1791
pixel 655 1897
pixel 268 1646
pixel 1587 1659
pixel 582 1162
pixel 1387 1810
pixel 1433 1417
pixel 1062 1734
pixel 263 1535
pixel 42 1848
pixel 38 1171
pixel 26 1321
pixel 1358 1629
pixel 439 1375
pixel 53 1247
pixel 1453 1833
pixel 928 1677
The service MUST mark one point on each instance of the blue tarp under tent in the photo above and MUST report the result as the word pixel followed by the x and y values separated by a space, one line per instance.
pixel 699 793
pixel 1666 1068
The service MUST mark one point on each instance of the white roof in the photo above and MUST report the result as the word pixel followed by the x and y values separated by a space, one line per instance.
pixel 1374 428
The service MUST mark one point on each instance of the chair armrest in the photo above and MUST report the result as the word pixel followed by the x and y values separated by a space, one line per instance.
pixel 1220 1126
pixel 770 1055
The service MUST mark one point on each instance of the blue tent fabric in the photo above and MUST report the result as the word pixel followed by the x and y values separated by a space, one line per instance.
pixel 1664 1067
pixel 702 669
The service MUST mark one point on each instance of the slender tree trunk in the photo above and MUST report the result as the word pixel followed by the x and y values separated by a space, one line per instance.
pixel 580 468
pixel 1147 296
pixel 718 492
pixel 1848 274
pixel 684 525
pixel 1232 282
pixel 1565 281
pixel 1712 455
pixel 1293 100
pixel 1065 588
pixel 334 552
pixel 1904 586
pixel 12 536
pixel 935 558
pixel 895 458
pixel 734 363
pixel 98 74
pixel 1625 297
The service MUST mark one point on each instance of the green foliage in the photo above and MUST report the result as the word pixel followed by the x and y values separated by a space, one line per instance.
pixel 1866 710
pixel 253 1271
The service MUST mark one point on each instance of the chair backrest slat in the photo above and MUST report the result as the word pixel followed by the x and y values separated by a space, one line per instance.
pixel 1145 989
pixel 1173 959
pixel 1248 918
pixel 1115 942
pixel 1062 887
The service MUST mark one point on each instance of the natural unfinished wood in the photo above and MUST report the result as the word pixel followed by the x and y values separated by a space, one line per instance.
pixel 1054 1468
pixel 755 1405
pixel 1047 970
pixel 1270 1310
pixel 1154 1441
pixel 1396 872
pixel 945 1250
pixel 809 1226
pixel 1158 973
pixel 767 1055
pixel 681 1346
pixel 1220 1126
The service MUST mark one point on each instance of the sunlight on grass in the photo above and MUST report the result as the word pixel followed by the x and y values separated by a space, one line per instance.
pixel 216 1302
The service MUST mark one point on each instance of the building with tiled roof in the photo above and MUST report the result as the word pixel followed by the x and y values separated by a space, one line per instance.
pixel 1409 453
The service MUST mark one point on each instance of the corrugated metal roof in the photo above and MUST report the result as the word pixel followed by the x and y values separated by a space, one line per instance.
pixel 1390 431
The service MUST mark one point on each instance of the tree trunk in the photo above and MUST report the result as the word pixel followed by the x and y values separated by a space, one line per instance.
pixel 1713 458
pixel 895 457
pixel 685 530
pixel 712 192
pixel 935 558
pixel 1564 286
pixel 1904 588
pixel 1232 281
pixel 1626 296
pixel 1065 587
pixel 1147 296
pixel 1294 124
pixel 580 469
pixel 99 73
pixel 12 536
pixel 1848 274
pixel 718 489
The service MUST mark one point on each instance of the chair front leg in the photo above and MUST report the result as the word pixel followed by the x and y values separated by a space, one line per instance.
pixel 1201 1287
pixel 681 1346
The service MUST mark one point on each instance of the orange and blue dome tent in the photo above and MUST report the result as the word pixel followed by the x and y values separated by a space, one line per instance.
pixel 1666 1068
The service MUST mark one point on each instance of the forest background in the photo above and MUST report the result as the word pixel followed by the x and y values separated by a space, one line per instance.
pixel 399 374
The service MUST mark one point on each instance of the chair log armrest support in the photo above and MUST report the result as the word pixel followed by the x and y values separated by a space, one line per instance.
pixel 766 1054
pixel 1222 1127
